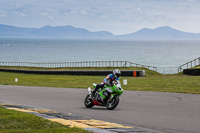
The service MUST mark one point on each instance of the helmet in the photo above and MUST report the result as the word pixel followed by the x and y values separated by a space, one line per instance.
pixel 116 73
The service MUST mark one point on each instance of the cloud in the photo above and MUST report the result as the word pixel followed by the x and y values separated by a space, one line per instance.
pixel 47 15
pixel 117 16
pixel 138 9
pixel 73 11
pixel 3 13
pixel 20 14
pixel 84 12
pixel 50 17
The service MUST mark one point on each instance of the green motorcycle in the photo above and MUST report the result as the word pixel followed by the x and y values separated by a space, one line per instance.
pixel 107 96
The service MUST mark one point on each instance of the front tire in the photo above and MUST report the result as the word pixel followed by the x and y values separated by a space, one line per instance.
pixel 88 102
pixel 112 103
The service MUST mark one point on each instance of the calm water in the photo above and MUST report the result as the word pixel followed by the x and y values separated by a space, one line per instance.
pixel 155 53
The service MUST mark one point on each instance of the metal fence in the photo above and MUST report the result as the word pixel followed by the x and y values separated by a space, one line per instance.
pixel 167 70
pixel 190 64
pixel 163 70
pixel 78 64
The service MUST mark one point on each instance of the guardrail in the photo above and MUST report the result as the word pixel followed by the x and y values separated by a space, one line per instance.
pixel 163 70
pixel 189 64
pixel 78 64
pixel 167 70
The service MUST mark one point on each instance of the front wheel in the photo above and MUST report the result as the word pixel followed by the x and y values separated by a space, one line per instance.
pixel 112 103
pixel 88 102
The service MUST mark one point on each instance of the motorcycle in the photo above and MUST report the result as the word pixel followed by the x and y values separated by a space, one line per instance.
pixel 107 96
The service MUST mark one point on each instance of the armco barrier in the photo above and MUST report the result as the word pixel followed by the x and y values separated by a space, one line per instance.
pixel 194 72
pixel 137 73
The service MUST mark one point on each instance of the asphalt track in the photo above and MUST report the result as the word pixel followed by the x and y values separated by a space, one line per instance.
pixel 165 112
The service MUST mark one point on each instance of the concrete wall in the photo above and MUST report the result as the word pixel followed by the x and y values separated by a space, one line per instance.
pixel 135 73
pixel 194 72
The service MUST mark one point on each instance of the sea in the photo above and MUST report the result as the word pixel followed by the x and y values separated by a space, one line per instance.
pixel 158 53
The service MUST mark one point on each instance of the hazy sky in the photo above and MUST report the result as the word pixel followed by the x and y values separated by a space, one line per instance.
pixel 116 16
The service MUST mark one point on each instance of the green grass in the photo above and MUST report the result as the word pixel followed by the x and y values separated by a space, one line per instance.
pixel 19 122
pixel 196 67
pixel 166 83
pixel 153 81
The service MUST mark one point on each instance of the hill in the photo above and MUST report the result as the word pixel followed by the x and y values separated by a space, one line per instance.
pixel 49 31
pixel 166 33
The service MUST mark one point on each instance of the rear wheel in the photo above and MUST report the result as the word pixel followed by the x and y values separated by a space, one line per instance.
pixel 88 102
pixel 112 103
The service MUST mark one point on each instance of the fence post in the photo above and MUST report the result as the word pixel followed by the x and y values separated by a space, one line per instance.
pixel 124 64
pixel 199 60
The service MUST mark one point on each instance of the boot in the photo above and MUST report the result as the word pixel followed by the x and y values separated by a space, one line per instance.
pixel 93 93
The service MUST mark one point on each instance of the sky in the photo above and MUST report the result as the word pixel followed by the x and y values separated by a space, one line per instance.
pixel 116 16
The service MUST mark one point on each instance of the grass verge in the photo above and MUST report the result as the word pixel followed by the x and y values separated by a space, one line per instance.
pixel 196 67
pixel 153 81
pixel 19 122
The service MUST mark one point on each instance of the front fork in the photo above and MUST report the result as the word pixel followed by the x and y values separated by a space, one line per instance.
pixel 112 96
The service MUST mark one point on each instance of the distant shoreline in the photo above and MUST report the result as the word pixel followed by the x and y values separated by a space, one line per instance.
pixel 68 31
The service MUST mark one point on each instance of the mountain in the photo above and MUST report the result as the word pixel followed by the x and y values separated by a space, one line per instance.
pixel 161 33
pixel 49 31
pixel 69 31
pixel 12 31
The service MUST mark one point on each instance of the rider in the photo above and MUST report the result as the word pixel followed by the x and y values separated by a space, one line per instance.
pixel 108 80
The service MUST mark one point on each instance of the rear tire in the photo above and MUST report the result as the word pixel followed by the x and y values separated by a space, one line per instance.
pixel 88 102
pixel 112 103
